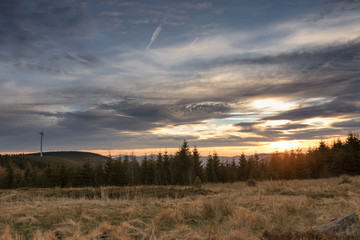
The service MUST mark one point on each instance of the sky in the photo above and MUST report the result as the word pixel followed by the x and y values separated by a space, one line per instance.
pixel 229 76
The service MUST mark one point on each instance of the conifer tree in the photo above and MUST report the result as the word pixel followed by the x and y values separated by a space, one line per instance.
pixel 159 170
pixel 169 169
pixel 242 168
pixel 352 154
pixel 10 176
pixel 133 172
pixel 109 172
pixel 213 168
pixel 145 171
pixel 198 168
pixel 63 176
pixel 99 174
pixel 87 174
pixel 184 165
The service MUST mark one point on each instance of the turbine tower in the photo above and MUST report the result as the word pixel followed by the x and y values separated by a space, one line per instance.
pixel 41 140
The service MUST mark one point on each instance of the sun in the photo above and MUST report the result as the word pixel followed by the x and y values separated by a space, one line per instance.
pixel 272 104
pixel 284 145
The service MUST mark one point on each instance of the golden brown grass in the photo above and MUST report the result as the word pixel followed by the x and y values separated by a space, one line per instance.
pixel 235 211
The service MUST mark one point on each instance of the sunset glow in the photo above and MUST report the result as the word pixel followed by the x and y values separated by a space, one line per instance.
pixel 143 76
pixel 272 105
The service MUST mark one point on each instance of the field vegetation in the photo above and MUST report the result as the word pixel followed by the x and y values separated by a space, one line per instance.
pixel 281 209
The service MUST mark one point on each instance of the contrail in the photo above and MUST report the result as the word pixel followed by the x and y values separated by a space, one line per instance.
pixel 154 35
pixel 74 57
pixel 193 43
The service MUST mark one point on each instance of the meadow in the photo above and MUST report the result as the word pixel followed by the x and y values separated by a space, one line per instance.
pixel 215 211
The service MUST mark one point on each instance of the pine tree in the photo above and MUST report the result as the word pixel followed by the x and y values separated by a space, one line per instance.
pixel 159 170
pixel 152 170
pixel 99 175
pixel 232 172
pixel 118 172
pixel 242 169
pixel 168 175
pixel 213 168
pixel 109 172
pixel 10 176
pixel 184 173
pixel 300 167
pixel 87 174
pixel 198 168
pixel 352 153
pixel 337 151
pixel 145 171
pixel 134 171
pixel 63 176
pixel 275 168
pixel 210 170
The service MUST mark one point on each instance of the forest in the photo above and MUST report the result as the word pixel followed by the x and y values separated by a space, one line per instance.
pixel 183 168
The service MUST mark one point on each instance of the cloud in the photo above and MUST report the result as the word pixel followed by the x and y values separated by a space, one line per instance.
pixel 352 125
pixel 337 107
pixel 73 70
pixel 197 6
pixel 111 13
pixel 36 35
pixel 328 57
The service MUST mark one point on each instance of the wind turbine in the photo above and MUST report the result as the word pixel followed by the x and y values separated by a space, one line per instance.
pixel 41 140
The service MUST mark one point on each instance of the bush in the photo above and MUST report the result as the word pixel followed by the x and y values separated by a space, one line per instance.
pixel 197 182
pixel 251 182
pixel 345 179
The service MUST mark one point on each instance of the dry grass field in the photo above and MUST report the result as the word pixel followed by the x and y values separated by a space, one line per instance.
pixel 226 211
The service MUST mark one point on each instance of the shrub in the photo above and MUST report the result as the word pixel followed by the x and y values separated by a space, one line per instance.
pixel 167 219
pixel 197 182
pixel 217 209
pixel 345 179
pixel 251 182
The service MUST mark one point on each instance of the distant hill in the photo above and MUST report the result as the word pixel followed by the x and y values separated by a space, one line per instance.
pixel 68 157
pixel 77 157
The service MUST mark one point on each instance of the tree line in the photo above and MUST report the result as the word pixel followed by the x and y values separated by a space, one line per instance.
pixel 181 168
